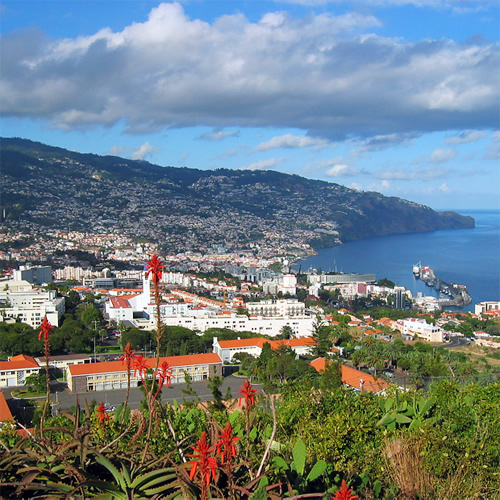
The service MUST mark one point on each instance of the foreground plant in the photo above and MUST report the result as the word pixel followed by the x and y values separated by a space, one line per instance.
pixel 45 328
pixel 204 465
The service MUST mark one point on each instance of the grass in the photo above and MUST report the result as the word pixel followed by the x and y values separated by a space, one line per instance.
pixel 27 393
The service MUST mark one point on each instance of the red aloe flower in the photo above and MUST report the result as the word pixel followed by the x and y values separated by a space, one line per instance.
pixel 344 493
pixel 204 463
pixel 128 355
pixel 155 268
pixel 165 374
pixel 248 394
pixel 225 445
pixel 101 411
pixel 45 328
pixel 140 366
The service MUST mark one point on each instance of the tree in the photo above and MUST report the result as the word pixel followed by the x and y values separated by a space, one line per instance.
pixel 286 332
pixel 321 335
pixel 36 381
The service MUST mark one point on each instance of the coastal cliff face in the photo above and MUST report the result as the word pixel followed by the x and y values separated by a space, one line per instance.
pixel 51 188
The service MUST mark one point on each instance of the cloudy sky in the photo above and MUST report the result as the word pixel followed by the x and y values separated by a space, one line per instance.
pixel 396 96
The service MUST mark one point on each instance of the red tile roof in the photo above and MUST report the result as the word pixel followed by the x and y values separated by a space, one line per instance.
pixel 118 366
pixel 5 413
pixel 259 342
pixel 353 377
pixel 19 362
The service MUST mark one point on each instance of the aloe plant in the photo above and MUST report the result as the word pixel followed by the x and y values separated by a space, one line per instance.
pixel 131 481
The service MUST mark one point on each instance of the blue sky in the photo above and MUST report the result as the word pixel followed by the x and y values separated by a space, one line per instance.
pixel 395 96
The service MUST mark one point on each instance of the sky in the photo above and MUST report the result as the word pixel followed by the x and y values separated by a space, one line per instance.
pixel 401 97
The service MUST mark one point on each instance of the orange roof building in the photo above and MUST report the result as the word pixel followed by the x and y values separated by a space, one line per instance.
pixel 356 379
pixel 226 349
pixel 5 413
pixel 15 371
pixel 111 375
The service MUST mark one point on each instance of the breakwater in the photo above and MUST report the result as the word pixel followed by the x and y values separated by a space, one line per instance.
pixel 451 294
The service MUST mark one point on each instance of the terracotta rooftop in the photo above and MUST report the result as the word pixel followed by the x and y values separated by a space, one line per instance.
pixel 119 366
pixel 5 413
pixel 353 377
pixel 259 342
pixel 19 362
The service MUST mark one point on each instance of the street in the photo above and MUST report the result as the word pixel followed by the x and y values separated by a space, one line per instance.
pixel 63 399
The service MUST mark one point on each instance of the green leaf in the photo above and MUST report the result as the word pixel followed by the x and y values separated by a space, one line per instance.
pixel 259 494
pixel 280 463
pixel 388 404
pixel 253 434
pixel 233 417
pixel 318 469
pixel 402 419
pixel 377 488
pixel 299 456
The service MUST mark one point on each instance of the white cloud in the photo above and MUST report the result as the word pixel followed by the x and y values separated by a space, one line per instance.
pixel 143 151
pixel 291 141
pixel 116 150
pixel 263 164
pixel 380 142
pixel 342 170
pixel 218 135
pixel 280 71
pixel 440 155
pixel 466 136
pixel 444 188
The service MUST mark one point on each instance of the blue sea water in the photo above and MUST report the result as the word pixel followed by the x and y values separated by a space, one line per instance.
pixel 468 257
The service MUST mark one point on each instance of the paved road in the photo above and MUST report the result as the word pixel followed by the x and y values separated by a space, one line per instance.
pixel 65 400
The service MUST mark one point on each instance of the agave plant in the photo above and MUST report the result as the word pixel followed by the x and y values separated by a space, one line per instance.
pixel 131 481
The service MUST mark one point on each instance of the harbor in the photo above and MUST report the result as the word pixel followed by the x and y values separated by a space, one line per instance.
pixel 450 294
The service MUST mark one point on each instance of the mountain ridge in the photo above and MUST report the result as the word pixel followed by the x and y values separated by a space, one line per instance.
pixel 48 187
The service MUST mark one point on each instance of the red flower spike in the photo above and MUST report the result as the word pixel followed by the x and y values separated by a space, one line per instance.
pixel 344 493
pixel 140 366
pixel 165 374
pixel 204 463
pixel 155 268
pixel 45 328
pixel 248 394
pixel 128 355
pixel 101 411
pixel 225 445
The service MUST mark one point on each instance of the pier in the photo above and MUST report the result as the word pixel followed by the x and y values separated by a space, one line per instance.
pixel 458 295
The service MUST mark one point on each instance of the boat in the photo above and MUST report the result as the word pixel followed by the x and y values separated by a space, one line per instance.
pixel 416 270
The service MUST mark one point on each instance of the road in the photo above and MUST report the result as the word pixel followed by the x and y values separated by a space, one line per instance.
pixel 63 399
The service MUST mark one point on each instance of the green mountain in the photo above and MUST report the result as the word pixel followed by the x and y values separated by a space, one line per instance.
pixel 47 188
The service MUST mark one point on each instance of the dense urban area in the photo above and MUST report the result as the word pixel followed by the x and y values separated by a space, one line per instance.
pixel 390 377
pixel 158 340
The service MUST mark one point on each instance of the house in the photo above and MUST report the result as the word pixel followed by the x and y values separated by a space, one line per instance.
pixel 226 349
pixel 64 360
pixel 358 380
pixel 5 413
pixel 113 374
pixel 14 371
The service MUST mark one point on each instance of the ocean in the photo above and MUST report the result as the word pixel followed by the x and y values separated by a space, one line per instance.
pixel 468 257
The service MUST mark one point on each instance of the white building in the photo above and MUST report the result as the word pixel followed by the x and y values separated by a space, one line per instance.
pixel 302 326
pixel 419 327
pixel 226 349
pixel 15 371
pixel 28 305
pixel 283 307
pixel 482 307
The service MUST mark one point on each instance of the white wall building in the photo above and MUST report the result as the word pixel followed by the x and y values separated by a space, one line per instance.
pixel 283 307
pixel 226 349
pixel 419 327
pixel 302 326
pixel 27 305
pixel 486 306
